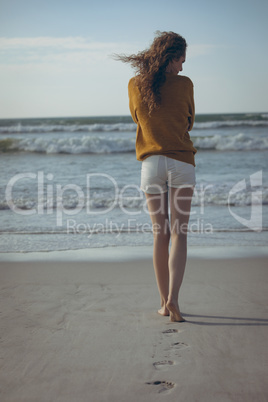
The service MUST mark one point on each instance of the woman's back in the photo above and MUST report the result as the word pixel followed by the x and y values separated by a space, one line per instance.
pixel 165 130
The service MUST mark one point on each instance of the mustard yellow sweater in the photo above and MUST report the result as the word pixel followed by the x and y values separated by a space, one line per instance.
pixel 165 132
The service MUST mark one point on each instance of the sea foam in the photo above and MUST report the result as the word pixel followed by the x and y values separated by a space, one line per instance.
pixel 101 144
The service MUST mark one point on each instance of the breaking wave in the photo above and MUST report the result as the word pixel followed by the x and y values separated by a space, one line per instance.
pixel 113 144
pixel 219 196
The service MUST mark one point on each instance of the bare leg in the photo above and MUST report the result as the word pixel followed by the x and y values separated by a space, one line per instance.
pixel 180 205
pixel 158 209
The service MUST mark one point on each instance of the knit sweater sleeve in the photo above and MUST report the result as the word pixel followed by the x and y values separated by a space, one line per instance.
pixel 191 108
pixel 131 101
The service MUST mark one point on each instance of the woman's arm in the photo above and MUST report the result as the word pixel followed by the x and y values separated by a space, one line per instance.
pixel 131 105
pixel 191 116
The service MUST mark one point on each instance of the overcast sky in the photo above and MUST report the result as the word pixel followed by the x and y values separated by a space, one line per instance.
pixel 55 55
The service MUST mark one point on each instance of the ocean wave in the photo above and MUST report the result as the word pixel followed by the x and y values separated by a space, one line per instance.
pixel 99 203
pixel 22 128
pixel 114 144
pixel 238 142
pixel 74 145
pixel 230 124
pixel 67 128
pixel 119 228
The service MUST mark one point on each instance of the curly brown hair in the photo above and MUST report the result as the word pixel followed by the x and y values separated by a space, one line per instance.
pixel 151 65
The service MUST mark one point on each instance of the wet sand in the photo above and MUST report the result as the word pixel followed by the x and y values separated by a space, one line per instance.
pixel 80 330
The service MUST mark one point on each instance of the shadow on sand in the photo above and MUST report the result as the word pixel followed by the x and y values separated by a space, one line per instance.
pixel 219 320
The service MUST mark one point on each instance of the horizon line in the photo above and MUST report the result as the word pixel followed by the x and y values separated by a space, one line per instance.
pixel 123 115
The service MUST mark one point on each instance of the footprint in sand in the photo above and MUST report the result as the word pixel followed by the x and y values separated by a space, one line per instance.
pixel 170 331
pixel 162 385
pixel 180 345
pixel 163 364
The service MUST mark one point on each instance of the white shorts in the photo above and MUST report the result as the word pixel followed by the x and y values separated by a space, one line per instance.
pixel 158 172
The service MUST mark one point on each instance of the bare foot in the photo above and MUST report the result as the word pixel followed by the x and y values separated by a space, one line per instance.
pixel 175 315
pixel 163 311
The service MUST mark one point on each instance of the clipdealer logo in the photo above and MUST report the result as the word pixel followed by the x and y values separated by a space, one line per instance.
pixel 50 199
pixel 255 221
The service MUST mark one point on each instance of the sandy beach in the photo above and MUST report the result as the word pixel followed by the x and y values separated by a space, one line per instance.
pixel 88 331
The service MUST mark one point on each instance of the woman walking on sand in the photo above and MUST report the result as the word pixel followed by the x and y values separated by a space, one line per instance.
pixel 162 105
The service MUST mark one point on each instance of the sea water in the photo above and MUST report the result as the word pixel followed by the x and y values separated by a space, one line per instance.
pixel 73 183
